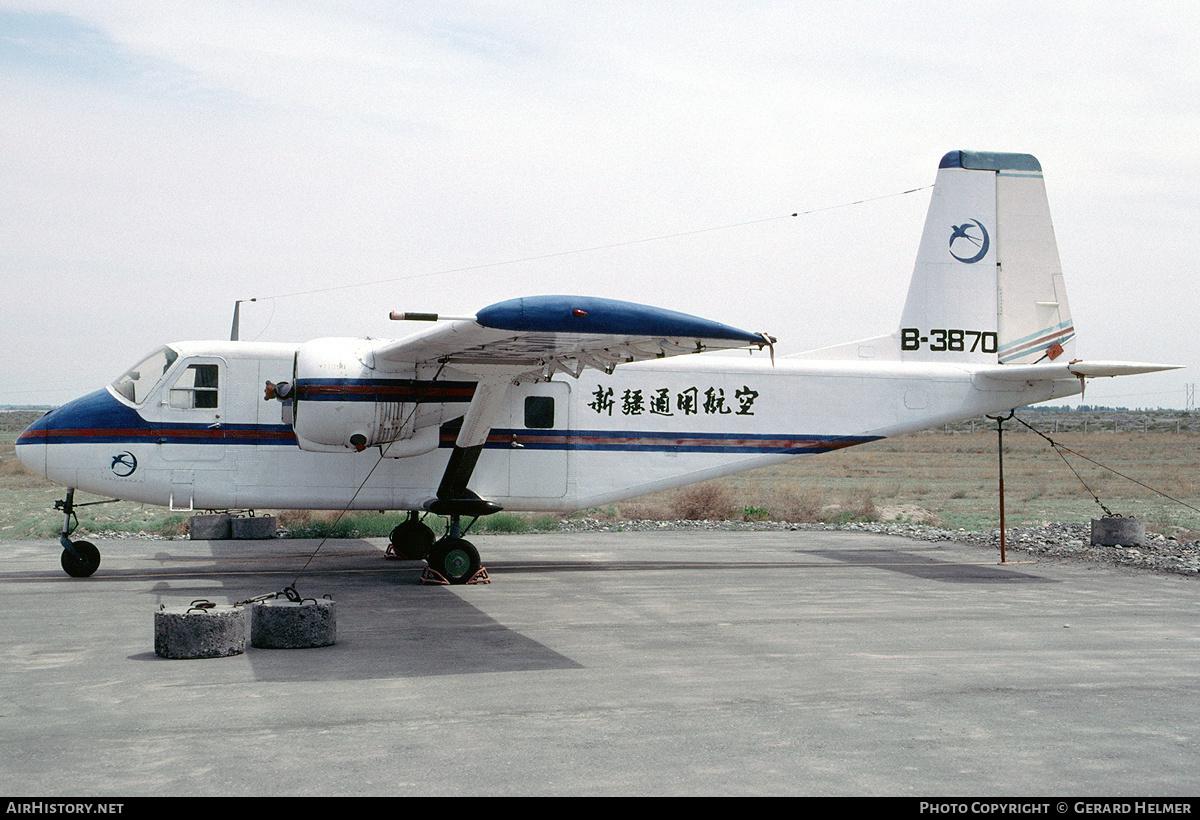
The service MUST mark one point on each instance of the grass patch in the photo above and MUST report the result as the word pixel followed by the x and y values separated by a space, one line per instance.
pixel 710 501
pixel 332 524
pixel 516 523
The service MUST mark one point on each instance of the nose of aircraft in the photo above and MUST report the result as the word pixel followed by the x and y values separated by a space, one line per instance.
pixel 31 445
pixel 57 444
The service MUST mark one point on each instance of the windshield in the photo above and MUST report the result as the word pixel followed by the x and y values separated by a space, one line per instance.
pixel 139 380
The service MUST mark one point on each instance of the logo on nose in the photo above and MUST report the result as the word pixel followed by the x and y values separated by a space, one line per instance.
pixel 123 464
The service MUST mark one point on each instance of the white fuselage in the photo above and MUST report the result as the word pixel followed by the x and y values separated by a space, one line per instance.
pixel 562 445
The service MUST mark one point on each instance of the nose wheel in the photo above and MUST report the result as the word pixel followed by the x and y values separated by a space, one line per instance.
pixel 79 558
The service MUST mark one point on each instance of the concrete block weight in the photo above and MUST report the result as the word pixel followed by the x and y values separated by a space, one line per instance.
pixel 223 526
pixel 1112 532
pixel 303 624
pixel 200 630
pixel 253 527
pixel 209 527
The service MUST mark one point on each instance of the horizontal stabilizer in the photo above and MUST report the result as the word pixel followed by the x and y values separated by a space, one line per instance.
pixel 1093 369
pixel 1071 370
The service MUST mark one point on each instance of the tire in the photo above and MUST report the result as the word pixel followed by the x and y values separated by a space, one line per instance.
pixel 454 559
pixel 86 564
pixel 412 540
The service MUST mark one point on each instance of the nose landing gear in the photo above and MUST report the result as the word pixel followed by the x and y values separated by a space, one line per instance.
pixel 79 558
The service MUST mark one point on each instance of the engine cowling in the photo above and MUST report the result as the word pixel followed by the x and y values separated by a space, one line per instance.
pixel 343 401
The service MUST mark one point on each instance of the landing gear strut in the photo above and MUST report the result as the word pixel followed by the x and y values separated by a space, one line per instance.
pixel 453 559
pixel 79 558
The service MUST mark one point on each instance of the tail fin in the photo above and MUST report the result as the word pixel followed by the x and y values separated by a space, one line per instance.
pixel 987 268
pixel 987 286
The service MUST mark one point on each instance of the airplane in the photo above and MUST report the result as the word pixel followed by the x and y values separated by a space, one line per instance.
pixel 562 403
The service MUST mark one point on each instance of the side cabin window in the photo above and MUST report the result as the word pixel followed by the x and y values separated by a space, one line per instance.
pixel 539 412
pixel 196 387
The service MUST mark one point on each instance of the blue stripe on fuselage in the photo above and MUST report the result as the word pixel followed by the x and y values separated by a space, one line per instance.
pixel 384 390
pixel 99 418
pixel 664 441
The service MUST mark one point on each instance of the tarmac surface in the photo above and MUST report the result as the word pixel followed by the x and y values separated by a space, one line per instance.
pixel 672 663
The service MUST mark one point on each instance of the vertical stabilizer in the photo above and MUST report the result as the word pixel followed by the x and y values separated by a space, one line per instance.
pixel 987 286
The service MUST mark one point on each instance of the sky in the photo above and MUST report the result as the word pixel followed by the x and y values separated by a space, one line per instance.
pixel 339 160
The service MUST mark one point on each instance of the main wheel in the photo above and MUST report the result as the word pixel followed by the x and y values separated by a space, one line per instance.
pixel 85 564
pixel 411 539
pixel 454 559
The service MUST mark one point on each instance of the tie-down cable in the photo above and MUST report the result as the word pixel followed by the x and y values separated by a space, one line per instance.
pixel 1061 448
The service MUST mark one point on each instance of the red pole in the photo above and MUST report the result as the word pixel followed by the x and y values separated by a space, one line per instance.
pixel 1000 459
pixel 1000 448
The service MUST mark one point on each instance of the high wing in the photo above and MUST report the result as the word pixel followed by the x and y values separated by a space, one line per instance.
pixel 533 338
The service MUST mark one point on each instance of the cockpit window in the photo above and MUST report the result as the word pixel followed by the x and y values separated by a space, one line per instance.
pixel 137 382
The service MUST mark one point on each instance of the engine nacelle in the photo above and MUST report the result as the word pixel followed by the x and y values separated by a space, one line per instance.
pixel 344 402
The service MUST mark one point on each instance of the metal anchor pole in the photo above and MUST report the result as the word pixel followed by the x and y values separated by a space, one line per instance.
pixel 1000 461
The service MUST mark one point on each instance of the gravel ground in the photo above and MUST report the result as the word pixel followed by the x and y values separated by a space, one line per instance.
pixel 1159 553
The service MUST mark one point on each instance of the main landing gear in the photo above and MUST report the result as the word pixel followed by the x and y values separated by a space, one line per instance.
pixel 411 539
pixel 452 559
pixel 79 558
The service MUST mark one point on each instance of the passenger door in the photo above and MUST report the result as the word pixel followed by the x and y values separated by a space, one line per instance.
pixel 191 410
pixel 538 458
